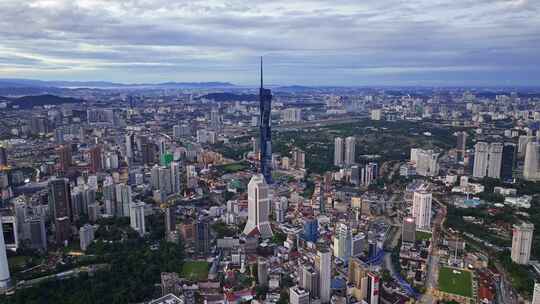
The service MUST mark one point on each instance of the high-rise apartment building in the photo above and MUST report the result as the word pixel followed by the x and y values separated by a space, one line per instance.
pixel 324 257
pixel 136 217
pixel 481 158
pixel 5 277
pixel 531 170
pixel 342 242
pixel 422 209
pixel 495 160
pixel 408 232
pixel 522 238
pixel 350 150
pixel 338 151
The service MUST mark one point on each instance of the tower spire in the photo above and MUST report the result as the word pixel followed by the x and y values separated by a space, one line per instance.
pixel 261 72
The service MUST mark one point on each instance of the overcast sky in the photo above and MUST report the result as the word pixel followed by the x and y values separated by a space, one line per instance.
pixel 308 42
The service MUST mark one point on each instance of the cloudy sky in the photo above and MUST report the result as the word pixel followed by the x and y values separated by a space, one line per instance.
pixel 309 42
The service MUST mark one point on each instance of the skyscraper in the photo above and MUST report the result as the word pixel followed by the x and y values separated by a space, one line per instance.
pixel 311 230
pixel 5 278
pixel 481 157
pixel 176 177
pixel 310 281
pixel 86 236
pixel 325 274
pixel 495 160
pixel 298 295
pixel 532 162
pixel 342 242
pixel 258 207
pixel 95 159
pixel 60 198
pixel 350 145
pixel 508 161
pixel 422 209
pixel 262 271
pixel 265 106
pixel 522 238
pixel 202 237
pixel 136 216
pixel 338 151
pixel 64 157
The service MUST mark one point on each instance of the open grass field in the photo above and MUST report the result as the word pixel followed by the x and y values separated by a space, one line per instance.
pixel 195 270
pixel 422 235
pixel 455 281
pixel 231 168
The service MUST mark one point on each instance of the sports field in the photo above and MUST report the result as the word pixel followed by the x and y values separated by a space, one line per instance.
pixel 455 281
pixel 195 270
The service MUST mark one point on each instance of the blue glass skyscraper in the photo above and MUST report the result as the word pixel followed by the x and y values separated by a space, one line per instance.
pixel 265 105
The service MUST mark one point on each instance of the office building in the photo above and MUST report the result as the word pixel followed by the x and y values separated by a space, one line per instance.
pixel 481 158
pixel 522 238
pixel 258 207
pixel 265 107
pixel 86 236
pixel 5 277
pixel 59 196
pixel 350 150
pixel 531 165
pixel 342 242
pixel 64 157
pixel 311 230
pixel 495 160
pixel 324 257
pixel 508 161
pixel 408 232
pixel 298 295
pixel 523 141
pixel 280 210
pixel 422 209
pixel 136 217
pixel 37 233
pixel 425 161
pixel 358 242
pixel 95 159
pixel 338 151
pixel 202 237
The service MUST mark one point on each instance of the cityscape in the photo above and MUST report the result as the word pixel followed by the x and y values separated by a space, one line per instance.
pixel 259 177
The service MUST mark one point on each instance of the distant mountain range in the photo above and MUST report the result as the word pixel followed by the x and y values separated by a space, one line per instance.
pixel 223 97
pixel 31 83
pixel 28 102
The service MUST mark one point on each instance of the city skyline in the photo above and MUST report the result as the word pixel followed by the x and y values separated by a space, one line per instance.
pixel 481 43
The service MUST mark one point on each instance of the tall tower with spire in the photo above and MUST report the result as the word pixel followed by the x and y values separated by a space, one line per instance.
pixel 265 105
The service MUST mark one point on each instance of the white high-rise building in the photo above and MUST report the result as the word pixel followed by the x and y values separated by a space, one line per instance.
pixel 536 294
pixel 522 144
pixel 298 295
pixel 495 160
pixel 325 274
pixel 522 238
pixel 86 236
pixel 350 145
pixel 342 242
pixel 338 151
pixel 481 157
pixel 422 209
pixel 531 170
pixel 258 207
pixel 5 278
pixel 426 162
pixel 123 199
pixel 136 215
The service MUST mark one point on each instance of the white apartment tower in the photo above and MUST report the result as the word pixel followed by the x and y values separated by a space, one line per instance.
pixel 495 160
pixel 350 145
pixel 325 274
pixel 422 209
pixel 136 215
pixel 481 156
pixel 522 238
pixel 530 166
pixel 258 207
pixel 338 151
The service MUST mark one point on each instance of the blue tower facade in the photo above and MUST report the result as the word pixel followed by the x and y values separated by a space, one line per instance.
pixel 265 105
pixel 311 230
